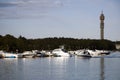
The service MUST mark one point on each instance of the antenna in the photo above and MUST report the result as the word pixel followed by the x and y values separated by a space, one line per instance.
pixel 102 11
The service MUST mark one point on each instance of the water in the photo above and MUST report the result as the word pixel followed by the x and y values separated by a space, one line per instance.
pixel 58 68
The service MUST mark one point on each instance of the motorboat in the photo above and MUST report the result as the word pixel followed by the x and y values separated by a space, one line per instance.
pixel 45 53
pixel 60 53
pixel 7 55
pixel 28 54
pixel 95 53
pixel 10 55
pixel 82 53
pixel 37 53
pixel 48 54
pixel 103 52
pixel 1 54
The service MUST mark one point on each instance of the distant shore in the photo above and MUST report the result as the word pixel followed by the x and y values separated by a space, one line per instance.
pixel 10 43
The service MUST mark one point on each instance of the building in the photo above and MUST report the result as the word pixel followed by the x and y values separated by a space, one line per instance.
pixel 102 18
pixel 118 46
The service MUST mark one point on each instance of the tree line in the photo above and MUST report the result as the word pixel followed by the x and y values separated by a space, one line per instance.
pixel 10 43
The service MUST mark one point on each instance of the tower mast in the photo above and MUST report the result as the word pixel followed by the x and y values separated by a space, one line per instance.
pixel 102 18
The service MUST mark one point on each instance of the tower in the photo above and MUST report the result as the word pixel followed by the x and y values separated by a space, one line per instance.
pixel 102 18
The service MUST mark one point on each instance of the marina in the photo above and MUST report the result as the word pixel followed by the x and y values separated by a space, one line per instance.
pixel 61 68
pixel 55 53
pixel 59 40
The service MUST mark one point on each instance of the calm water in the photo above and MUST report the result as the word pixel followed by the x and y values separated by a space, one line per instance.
pixel 58 68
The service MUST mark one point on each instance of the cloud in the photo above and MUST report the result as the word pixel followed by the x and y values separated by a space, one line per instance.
pixel 27 8
pixel 7 4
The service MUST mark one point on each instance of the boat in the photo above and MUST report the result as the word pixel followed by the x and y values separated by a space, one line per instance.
pixel 95 53
pixel 10 55
pixel 82 53
pixel 45 53
pixel 48 54
pixel 103 52
pixel 37 53
pixel 7 55
pixel 60 53
pixel 1 54
pixel 28 54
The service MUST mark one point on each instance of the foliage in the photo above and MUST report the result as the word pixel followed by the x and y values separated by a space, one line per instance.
pixel 117 42
pixel 11 43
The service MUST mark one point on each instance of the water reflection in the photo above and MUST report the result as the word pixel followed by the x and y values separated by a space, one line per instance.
pixel 102 76
pixel 61 60
pixel 11 69
pixel 61 68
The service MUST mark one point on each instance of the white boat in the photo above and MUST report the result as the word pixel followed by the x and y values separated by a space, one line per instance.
pixel 10 55
pixel 46 53
pixel 103 52
pixel 42 53
pixel 7 55
pixel 60 53
pixel 95 53
pixel 1 54
pixel 82 53
pixel 28 54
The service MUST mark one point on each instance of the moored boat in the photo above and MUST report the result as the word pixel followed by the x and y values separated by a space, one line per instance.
pixel 103 52
pixel 28 54
pixel 1 54
pixel 60 53
pixel 10 55
pixel 95 53
pixel 82 53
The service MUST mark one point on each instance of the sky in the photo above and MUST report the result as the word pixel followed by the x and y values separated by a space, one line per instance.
pixel 60 18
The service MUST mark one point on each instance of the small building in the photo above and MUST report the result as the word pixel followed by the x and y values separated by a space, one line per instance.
pixel 118 46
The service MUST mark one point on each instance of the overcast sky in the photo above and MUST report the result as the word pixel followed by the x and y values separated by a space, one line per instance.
pixel 59 18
